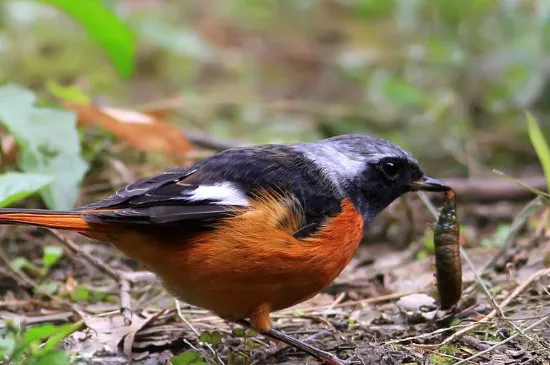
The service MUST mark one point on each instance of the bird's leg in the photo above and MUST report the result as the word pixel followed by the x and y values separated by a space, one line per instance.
pixel 325 357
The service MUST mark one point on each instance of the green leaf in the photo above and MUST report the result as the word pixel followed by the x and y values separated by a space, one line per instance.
pixel 205 337
pixel 421 255
pixel 215 338
pixel 51 256
pixel 16 186
pixel 62 331
pixel 540 145
pixel 55 357
pixel 187 358
pixel 20 263
pixel 402 93
pixel 114 36
pixel 48 288
pixel 251 333
pixel 253 345
pixel 80 294
pixel 238 332
pixel 499 236
pixel 67 93
pixel 49 144
pixel 373 8
pixel 38 333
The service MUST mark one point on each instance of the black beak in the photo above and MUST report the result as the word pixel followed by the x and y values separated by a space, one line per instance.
pixel 428 184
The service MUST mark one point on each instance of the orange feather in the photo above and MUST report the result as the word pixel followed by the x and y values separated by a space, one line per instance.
pixel 247 267
pixel 44 218
pixel 250 265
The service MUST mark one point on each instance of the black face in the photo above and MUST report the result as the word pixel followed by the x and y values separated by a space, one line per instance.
pixel 384 181
pixel 397 172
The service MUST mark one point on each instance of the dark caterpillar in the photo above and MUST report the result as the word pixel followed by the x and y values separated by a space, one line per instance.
pixel 448 266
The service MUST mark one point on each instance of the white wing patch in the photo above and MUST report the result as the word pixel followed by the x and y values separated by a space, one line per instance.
pixel 335 164
pixel 224 193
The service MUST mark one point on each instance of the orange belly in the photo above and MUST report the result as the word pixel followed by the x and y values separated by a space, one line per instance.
pixel 251 263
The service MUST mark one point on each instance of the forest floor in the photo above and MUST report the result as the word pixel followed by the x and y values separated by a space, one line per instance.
pixel 379 311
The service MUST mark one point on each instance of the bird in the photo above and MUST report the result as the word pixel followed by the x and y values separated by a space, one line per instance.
pixel 251 230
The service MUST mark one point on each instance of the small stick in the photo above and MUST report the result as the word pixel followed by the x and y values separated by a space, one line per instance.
pixel 122 278
pixel 31 283
pixel 380 299
pixel 71 245
pixel 337 301
pixel 504 303
pixel 424 335
pixel 515 227
pixel 125 301
pixel 182 317
pixel 545 318
pixel 56 318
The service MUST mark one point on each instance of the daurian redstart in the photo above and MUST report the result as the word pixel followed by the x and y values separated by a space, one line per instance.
pixel 251 230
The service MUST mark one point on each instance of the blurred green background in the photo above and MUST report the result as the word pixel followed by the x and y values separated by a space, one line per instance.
pixel 449 80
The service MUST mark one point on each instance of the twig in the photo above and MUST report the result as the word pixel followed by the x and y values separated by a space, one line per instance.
pixel 503 304
pixel 428 203
pixel 274 350
pixel 30 282
pixel 52 318
pixel 138 276
pixel 126 175
pixel 440 354
pixel 379 299
pixel 123 279
pixel 515 227
pixel 494 190
pixel 71 245
pixel 125 301
pixel 204 140
pixel 481 282
pixel 18 280
pixel 423 335
pixel 473 342
pixel 23 302
pixel 337 301
pixel 182 317
pixel 545 318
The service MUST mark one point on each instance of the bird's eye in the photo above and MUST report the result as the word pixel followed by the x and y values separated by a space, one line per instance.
pixel 390 169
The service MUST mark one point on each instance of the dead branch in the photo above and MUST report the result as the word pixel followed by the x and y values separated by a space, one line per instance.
pixel 206 141
pixel 73 247
pixel 495 189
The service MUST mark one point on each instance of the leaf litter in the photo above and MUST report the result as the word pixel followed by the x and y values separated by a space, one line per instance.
pixel 379 311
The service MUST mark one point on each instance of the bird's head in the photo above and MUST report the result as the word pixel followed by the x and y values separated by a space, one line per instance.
pixel 371 171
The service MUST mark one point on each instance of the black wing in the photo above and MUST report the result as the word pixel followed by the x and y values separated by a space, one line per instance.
pixel 163 199
pixel 218 187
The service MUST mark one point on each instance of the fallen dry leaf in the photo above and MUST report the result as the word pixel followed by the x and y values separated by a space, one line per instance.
pixel 141 131
pixel 110 331
pixel 9 150
pixel 163 109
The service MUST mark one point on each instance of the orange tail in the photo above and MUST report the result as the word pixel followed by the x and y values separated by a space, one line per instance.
pixel 69 220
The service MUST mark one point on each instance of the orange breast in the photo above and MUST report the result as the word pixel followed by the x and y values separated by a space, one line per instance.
pixel 252 262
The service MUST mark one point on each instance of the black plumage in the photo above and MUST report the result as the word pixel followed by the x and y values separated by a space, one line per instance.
pixel 161 199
